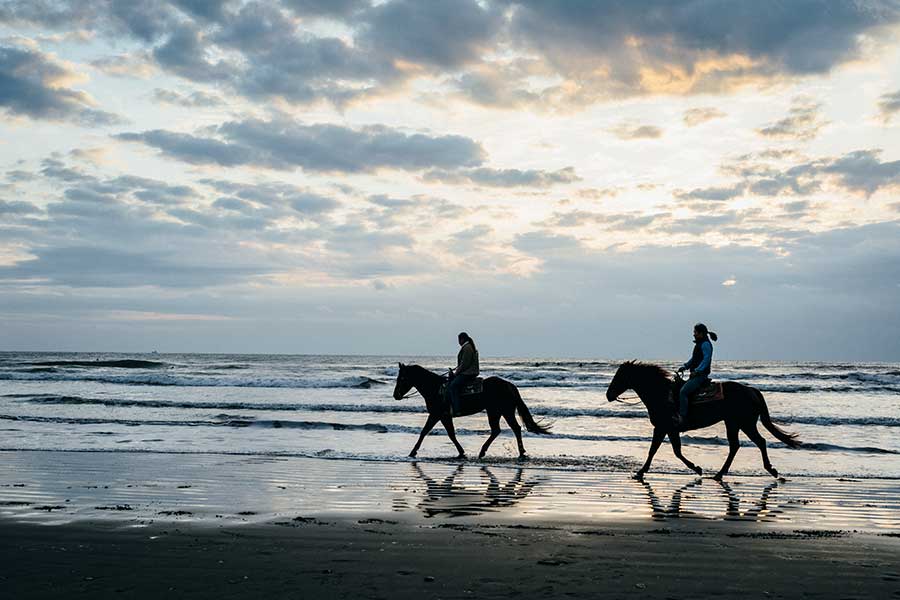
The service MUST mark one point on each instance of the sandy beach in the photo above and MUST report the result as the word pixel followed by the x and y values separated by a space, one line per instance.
pixel 94 524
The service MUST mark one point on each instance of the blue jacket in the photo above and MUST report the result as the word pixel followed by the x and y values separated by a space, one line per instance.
pixel 701 360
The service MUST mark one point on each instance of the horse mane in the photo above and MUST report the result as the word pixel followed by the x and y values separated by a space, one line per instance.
pixel 644 369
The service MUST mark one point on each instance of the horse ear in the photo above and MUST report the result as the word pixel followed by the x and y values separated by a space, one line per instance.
pixel 401 365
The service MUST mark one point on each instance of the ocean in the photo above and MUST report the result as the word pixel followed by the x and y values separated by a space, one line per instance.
pixel 341 407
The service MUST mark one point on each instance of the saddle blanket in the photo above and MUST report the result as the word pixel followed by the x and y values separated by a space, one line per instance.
pixel 711 392
pixel 476 387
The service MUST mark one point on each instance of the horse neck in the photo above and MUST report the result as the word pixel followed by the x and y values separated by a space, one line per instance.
pixel 427 382
pixel 652 391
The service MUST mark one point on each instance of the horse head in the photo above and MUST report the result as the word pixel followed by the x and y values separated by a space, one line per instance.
pixel 621 381
pixel 404 384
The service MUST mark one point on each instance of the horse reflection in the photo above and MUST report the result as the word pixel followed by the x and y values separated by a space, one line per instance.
pixel 758 511
pixel 446 497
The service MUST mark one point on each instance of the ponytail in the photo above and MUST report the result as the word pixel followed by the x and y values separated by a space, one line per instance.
pixel 705 331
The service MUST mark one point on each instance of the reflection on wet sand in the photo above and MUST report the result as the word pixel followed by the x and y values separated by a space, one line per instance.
pixel 692 491
pixel 449 498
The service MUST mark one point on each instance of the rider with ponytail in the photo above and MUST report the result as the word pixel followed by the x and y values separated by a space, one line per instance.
pixel 699 365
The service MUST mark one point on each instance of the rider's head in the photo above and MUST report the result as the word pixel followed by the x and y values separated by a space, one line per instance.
pixel 464 337
pixel 701 332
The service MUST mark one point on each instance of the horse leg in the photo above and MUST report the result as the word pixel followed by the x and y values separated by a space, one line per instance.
pixel 733 445
pixel 510 418
pixel 675 440
pixel 426 429
pixel 494 422
pixel 659 434
pixel 753 433
pixel 447 422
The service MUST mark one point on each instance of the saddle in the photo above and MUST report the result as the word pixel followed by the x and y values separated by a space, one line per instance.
pixel 476 387
pixel 711 392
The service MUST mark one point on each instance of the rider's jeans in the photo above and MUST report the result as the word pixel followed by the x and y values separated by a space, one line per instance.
pixel 690 386
pixel 456 385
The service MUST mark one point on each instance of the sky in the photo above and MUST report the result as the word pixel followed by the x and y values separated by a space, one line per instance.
pixel 559 178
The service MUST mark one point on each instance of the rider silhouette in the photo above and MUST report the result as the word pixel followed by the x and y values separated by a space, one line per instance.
pixel 465 372
pixel 699 365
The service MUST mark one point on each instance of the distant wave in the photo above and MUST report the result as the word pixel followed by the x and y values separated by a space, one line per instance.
pixel 522 380
pixel 118 364
pixel 393 428
pixel 169 379
pixel 390 406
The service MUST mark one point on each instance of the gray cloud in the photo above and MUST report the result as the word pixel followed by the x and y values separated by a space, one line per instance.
pixel 627 131
pixel 106 267
pixel 696 116
pixel 797 38
pixel 17 208
pixel 803 122
pixel 196 99
pixel 715 194
pixel 861 171
pixel 33 85
pixel 289 145
pixel 504 177
pixel 889 105
pixel 618 221
pixel 262 49
pixel 440 33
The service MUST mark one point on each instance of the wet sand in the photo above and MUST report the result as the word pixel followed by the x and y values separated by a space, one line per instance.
pixel 367 558
pixel 146 525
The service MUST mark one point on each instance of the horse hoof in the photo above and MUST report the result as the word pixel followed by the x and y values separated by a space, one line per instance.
pixel 717 477
pixel 412 454
pixel 639 476
pixel 698 470
pixel 522 457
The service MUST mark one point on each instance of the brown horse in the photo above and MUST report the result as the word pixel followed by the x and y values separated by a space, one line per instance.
pixel 741 408
pixel 498 397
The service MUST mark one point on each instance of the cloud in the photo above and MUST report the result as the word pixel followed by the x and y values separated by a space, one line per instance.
pixel 34 85
pixel 714 194
pixel 17 208
pixel 861 172
pixel 504 177
pixel 138 65
pixel 582 53
pixel 608 48
pixel 196 99
pixel 889 105
pixel 445 34
pixel 803 122
pixel 627 131
pixel 617 221
pixel 107 267
pixel 696 116
pixel 288 145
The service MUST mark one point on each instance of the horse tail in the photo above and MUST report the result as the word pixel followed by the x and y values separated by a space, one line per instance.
pixel 530 424
pixel 790 439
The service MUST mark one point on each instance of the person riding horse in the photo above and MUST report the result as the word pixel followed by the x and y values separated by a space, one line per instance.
pixel 700 366
pixel 465 372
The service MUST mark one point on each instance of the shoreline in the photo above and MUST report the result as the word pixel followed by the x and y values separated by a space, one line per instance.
pixel 144 488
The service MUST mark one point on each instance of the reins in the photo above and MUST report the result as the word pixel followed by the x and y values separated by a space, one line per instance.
pixel 636 398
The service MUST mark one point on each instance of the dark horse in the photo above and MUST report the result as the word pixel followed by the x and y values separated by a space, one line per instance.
pixel 741 408
pixel 498 397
